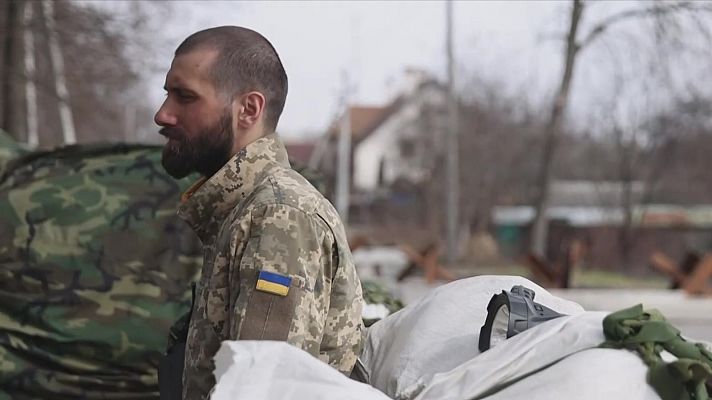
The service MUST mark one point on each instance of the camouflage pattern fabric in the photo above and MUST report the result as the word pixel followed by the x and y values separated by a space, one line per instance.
pixel 94 268
pixel 257 214
pixel 376 293
pixel 315 178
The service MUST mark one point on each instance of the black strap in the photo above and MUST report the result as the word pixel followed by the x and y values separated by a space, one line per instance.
pixel 170 373
pixel 170 368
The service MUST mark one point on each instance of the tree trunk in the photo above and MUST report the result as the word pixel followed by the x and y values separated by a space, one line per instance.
pixel 66 117
pixel 553 132
pixel 11 96
pixel 626 235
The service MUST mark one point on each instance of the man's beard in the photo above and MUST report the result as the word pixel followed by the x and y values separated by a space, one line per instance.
pixel 205 153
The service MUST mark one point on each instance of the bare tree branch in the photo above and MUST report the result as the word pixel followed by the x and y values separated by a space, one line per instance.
pixel 657 10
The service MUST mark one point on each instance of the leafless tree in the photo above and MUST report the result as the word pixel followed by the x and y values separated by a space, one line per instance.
pixel 11 20
pixel 105 54
pixel 576 41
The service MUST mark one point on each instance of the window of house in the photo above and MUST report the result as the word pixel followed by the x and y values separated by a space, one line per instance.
pixel 407 147
pixel 381 171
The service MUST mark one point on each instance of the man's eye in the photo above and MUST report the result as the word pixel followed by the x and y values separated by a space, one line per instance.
pixel 185 97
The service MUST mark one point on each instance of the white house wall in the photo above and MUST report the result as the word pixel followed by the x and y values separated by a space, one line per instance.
pixel 383 144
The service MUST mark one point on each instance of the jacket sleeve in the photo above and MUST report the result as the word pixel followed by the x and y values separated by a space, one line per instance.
pixel 341 343
pixel 284 274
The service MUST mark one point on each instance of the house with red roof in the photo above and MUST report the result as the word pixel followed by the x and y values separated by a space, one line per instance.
pixel 397 142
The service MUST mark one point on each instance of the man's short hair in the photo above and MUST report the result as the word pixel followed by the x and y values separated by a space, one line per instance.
pixel 245 61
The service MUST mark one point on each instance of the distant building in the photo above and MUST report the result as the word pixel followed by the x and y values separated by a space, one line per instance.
pixel 399 141
pixel 595 212
pixel 405 142
pixel 578 203
pixel 395 147
pixel 300 151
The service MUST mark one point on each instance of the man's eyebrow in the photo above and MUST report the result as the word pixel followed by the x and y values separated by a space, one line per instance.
pixel 178 88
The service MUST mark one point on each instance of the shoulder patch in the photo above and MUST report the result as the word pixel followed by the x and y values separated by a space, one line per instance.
pixel 273 283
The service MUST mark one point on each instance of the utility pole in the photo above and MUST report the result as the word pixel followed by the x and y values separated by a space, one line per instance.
pixel 30 87
pixel 55 55
pixel 343 170
pixel 453 181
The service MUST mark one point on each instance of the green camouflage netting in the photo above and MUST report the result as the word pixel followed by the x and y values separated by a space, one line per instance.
pixel 94 269
pixel 376 293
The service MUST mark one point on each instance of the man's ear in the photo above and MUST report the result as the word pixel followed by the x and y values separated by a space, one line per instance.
pixel 248 109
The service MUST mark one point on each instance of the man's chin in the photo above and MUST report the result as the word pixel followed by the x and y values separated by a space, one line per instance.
pixel 177 173
pixel 175 168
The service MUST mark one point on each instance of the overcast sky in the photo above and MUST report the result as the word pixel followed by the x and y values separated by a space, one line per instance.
pixel 511 42
pixel 374 42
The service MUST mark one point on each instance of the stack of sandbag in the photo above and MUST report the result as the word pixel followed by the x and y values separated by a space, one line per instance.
pixel 429 350
pixel 266 370
pixel 439 332
pixel 556 360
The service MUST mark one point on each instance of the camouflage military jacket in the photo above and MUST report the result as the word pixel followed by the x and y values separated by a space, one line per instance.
pixel 277 265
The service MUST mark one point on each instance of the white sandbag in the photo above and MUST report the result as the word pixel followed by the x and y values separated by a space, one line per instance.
pixel 439 332
pixel 590 375
pixel 587 372
pixel 268 370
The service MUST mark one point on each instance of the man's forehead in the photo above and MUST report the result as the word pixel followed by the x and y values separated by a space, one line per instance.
pixel 193 66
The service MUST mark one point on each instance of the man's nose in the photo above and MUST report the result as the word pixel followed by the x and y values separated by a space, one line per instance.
pixel 164 116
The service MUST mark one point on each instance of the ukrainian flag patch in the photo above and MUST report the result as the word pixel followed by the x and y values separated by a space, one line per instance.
pixel 273 283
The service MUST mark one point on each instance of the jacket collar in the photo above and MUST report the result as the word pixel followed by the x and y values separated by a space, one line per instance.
pixel 205 203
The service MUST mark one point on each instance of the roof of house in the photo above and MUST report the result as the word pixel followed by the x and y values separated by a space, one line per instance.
pixel 366 119
pixel 300 152
pixel 650 215
pixel 572 193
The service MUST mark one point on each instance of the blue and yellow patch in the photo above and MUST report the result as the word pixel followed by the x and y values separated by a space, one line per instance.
pixel 273 283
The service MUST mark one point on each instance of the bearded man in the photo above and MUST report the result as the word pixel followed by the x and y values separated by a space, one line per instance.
pixel 277 265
